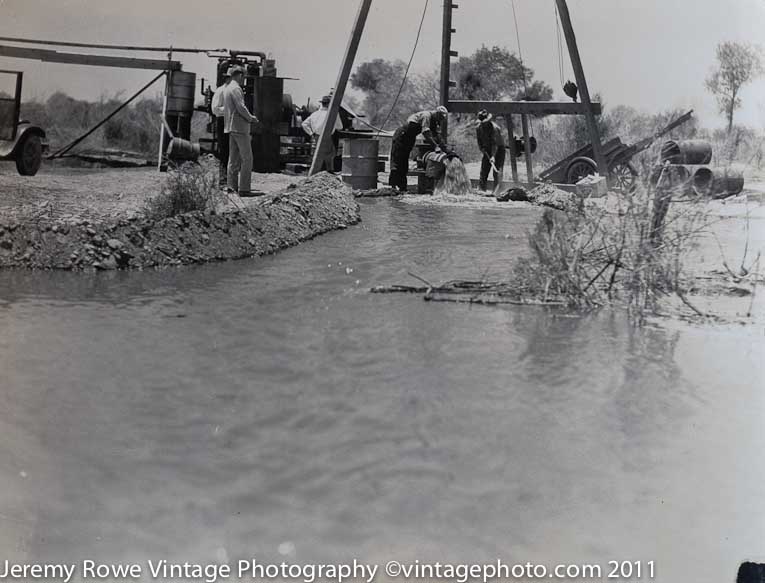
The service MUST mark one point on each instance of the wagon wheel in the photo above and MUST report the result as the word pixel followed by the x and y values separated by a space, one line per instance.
pixel 624 177
pixel 579 168
pixel 29 155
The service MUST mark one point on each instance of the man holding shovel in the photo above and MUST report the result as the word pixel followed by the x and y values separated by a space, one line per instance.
pixel 491 142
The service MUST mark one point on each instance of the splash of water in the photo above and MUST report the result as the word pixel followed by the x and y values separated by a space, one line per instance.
pixel 455 180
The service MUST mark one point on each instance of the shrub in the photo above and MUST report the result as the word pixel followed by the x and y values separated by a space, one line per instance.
pixel 189 187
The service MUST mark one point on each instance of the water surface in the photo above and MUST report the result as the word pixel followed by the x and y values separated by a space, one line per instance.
pixel 218 412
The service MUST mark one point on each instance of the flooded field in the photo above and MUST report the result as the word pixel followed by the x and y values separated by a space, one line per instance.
pixel 273 408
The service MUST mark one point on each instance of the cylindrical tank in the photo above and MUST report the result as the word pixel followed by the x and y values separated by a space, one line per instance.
pixel 686 152
pixel 360 163
pixel 183 150
pixel 181 89
pixel 727 182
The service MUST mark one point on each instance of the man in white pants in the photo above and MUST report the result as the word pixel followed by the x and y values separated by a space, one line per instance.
pixel 238 120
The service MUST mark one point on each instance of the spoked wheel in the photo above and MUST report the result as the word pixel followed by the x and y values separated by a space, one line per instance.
pixel 29 155
pixel 624 177
pixel 579 168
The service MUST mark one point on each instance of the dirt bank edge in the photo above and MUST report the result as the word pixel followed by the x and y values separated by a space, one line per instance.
pixel 273 222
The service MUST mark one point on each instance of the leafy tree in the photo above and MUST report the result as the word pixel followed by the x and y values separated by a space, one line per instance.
pixel 492 74
pixel 737 65
pixel 488 74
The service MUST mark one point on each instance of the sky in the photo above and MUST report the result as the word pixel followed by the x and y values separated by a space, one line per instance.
pixel 649 54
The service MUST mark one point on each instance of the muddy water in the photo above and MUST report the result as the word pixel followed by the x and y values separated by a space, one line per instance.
pixel 272 408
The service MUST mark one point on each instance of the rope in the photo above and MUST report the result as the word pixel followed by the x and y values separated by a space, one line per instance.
pixel 520 54
pixel 560 46
pixel 406 72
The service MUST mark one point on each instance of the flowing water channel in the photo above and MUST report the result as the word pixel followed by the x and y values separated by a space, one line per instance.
pixel 273 408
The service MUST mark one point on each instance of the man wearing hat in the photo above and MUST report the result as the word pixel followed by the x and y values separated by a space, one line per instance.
pixel 238 120
pixel 491 142
pixel 218 110
pixel 429 124
pixel 314 125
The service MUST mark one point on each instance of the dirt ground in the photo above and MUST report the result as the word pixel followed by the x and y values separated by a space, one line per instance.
pixel 72 194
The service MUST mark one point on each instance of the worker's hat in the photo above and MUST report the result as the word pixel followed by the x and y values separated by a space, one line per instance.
pixel 442 110
pixel 326 99
pixel 484 115
pixel 228 72
pixel 234 70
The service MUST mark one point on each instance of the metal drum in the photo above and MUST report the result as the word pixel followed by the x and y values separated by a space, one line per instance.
pixel 727 182
pixel 180 93
pixel 183 150
pixel 360 163
pixel 686 152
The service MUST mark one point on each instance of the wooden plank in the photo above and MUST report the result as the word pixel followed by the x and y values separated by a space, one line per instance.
pixel 522 107
pixel 581 82
pixel 93 60
pixel 342 82
pixel 446 47
pixel 527 149
pixel 511 147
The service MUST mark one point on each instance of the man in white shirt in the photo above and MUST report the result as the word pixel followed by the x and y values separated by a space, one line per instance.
pixel 238 119
pixel 314 125
pixel 218 110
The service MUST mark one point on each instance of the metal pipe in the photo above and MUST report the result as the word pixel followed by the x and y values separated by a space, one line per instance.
pixel 32 41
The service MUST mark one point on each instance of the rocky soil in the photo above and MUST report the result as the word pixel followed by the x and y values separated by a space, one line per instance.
pixel 91 222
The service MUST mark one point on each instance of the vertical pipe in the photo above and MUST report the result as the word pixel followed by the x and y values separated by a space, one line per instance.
pixel 527 150
pixel 511 147
pixel 581 81
pixel 342 81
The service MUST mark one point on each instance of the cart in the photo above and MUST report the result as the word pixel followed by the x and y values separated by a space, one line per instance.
pixel 618 156
pixel 20 140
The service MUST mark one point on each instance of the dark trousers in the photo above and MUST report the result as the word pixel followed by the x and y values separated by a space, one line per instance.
pixel 499 162
pixel 222 139
pixel 403 142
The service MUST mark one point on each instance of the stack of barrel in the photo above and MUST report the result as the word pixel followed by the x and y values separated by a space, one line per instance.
pixel 690 160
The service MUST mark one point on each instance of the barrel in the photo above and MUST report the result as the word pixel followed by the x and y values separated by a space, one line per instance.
pixel 183 150
pixel 686 152
pixel 180 93
pixel 727 182
pixel 360 163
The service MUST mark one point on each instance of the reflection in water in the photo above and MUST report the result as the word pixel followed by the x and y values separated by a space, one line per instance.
pixel 225 410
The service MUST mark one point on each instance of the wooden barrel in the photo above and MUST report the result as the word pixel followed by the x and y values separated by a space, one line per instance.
pixel 180 93
pixel 360 163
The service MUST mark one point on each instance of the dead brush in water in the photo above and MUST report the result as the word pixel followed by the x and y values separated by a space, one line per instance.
pixel 189 187
pixel 455 180
pixel 633 256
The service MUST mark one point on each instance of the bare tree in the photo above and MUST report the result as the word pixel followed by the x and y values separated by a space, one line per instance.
pixel 737 65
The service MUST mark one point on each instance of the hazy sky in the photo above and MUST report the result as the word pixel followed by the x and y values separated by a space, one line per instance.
pixel 651 54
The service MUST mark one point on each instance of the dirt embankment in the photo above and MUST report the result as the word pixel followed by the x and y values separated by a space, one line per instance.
pixel 130 240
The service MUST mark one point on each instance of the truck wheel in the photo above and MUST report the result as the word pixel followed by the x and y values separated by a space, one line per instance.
pixel 625 177
pixel 579 168
pixel 29 155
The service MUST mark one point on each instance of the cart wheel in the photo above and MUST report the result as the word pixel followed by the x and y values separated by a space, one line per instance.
pixel 579 168
pixel 624 177
pixel 29 155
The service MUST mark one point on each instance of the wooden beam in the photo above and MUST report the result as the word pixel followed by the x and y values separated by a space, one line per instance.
pixel 522 107
pixel 511 147
pixel 93 60
pixel 446 61
pixel 581 82
pixel 527 149
pixel 342 82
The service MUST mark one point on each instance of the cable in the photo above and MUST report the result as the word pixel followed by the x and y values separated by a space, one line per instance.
pixel 520 54
pixel 406 72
